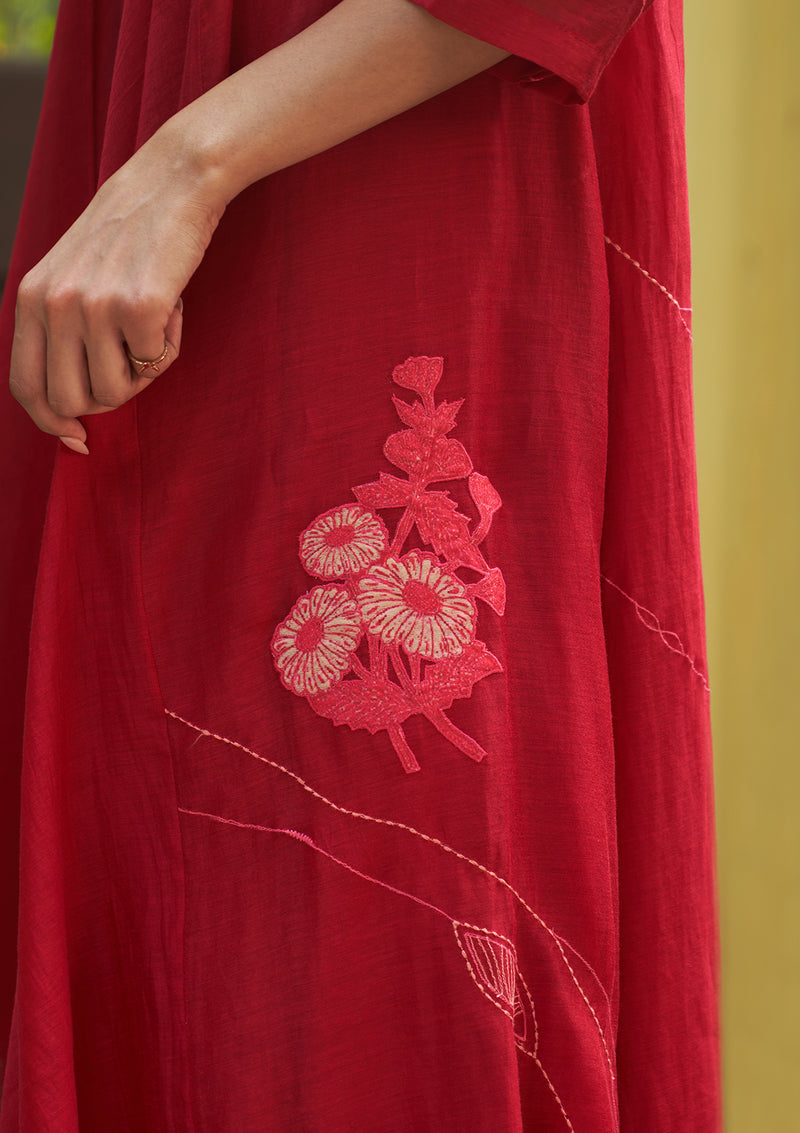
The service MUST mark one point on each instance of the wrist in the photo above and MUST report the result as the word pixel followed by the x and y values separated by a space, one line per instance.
pixel 191 163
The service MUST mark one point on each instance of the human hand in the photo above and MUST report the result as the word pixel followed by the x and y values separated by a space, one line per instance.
pixel 115 278
pixel 109 291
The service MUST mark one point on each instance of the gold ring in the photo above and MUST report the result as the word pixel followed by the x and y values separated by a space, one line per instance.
pixel 144 363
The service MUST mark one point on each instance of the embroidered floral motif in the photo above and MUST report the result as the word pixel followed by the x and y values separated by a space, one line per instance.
pixel 314 647
pixel 345 540
pixel 414 602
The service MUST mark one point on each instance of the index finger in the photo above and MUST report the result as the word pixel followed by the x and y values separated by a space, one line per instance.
pixel 27 381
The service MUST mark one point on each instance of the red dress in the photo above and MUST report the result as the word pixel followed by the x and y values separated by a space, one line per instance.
pixel 366 779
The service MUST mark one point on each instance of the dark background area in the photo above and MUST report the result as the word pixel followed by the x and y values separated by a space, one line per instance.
pixel 21 87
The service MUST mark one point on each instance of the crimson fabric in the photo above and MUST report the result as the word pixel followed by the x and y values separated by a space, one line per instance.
pixel 366 779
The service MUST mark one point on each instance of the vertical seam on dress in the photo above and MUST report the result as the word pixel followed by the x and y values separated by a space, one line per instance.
pixel 187 1105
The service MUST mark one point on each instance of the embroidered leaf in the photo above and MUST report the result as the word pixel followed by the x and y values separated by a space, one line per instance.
pixel 442 459
pixel 421 374
pixel 491 589
pixel 414 415
pixel 449 461
pixel 368 703
pixel 407 451
pixel 441 524
pixel 444 417
pixel 487 499
pixel 454 678
pixel 428 424
pixel 431 509
pixel 387 491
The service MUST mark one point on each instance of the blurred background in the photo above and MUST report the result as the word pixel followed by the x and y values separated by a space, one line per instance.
pixel 743 135
pixel 26 32
pixel 743 138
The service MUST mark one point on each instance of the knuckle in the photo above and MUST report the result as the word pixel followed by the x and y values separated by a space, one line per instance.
pixel 137 306
pixel 28 293
pixel 96 305
pixel 111 399
pixel 58 301
pixel 67 406
pixel 148 307
pixel 156 309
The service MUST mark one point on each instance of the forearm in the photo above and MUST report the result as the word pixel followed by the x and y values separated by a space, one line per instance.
pixel 113 281
pixel 361 63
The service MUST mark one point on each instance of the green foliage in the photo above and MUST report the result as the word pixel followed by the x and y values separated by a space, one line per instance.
pixel 26 28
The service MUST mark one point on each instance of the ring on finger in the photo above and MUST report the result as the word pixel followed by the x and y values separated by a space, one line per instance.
pixel 147 364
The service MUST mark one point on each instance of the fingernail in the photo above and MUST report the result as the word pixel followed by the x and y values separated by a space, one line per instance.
pixel 180 304
pixel 75 444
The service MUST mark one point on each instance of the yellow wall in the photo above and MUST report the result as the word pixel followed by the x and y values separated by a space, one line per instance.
pixel 743 125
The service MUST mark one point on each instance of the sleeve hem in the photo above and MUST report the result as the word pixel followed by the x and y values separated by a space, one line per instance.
pixel 543 52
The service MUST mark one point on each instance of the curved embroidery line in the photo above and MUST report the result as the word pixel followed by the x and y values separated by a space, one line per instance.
pixel 559 941
pixel 519 976
pixel 309 841
pixel 653 280
pixel 654 625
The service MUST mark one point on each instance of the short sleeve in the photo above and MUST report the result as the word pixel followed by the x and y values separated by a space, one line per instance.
pixel 561 46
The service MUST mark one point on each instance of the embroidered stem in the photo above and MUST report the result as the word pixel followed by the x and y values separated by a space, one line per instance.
pixel 358 667
pixel 403 529
pixel 400 669
pixel 406 755
pixel 456 737
pixel 374 653
pixel 416 670
pixel 418 480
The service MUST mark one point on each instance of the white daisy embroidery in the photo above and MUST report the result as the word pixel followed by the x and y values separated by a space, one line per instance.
pixel 345 540
pixel 314 646
pixel 416 603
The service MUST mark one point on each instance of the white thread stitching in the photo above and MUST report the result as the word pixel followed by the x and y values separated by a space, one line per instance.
pixel 535 1052
pixel 435 841
pixel 664 634
pixel 493 999
pixel 480 981
pixel 653 280
pixel 537 1060
pixel 532 1054
pixel 301 837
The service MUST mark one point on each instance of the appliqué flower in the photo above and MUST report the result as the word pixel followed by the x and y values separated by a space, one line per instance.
pixel 313 648
pixel 345 540
pixel 416 600
pixel 415 603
